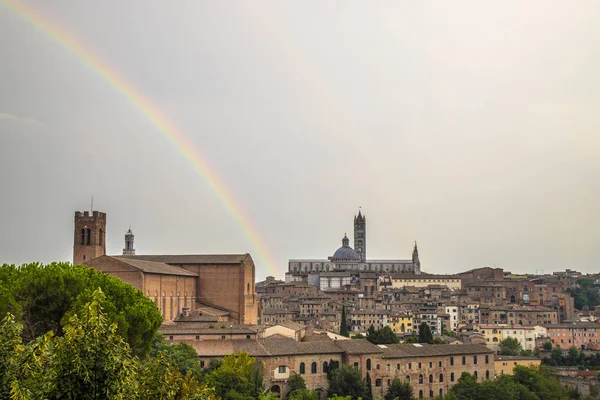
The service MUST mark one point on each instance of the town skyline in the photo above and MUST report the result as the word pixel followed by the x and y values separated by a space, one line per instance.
pixel 469 128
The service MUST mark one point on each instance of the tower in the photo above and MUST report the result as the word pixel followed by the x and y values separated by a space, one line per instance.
pixel 360 236
pixel 129 250
pixel 89 236
pixel 415 260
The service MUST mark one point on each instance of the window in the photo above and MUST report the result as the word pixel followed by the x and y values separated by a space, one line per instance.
pixel 441 378
pixel 378 382
pixel 82 238
pixel 441 393
pixel 248 287
pixel 487 359
pixel 408 378
pixel 451 360
pixel 313 368
pixel 430 378
pixel 378 366
pixel 247 336
pixel 197 337
pixel 355 365
pixel 419 365
pixel 282 369
pixel 431 394
pixel 409 365
pixel 302 369
pixel 368 364
pixel 487 374
pixel 201 364
pixel 430 364
pixel 474 359
pixel 170 337
pixel 325 367
pixel 452 377
pixel 223 337
pixel 440 364
pixel 464 360
pixel 420 394
pixel 387 368
pixel 475 374
pixel 88 236
pixel 398 367
pixel 100 238
pixel 420 378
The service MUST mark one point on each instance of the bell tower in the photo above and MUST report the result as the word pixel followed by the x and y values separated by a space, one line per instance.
pixel 129 250
pixel 89 237
pixel 360 236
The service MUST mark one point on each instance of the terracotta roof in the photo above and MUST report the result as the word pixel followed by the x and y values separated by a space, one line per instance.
pixel 192 258
pixel 358 346
pixel 419 350
pixel 152 267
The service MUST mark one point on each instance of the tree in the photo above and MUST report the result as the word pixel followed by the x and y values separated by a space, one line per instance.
pixel 344 324
pixel 510 347
pixel 399 390
pixel 304 394
pixel 410 339
pixel 547 345
pixel 585 295
pixel 233 379
pixel 347 381
pixel 425 335
pixel 296 382
pixel 369 386
pixel 181 354
pixel 45 297
pixel 384 335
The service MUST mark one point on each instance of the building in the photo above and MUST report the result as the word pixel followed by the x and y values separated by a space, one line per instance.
pixel 583 335
pixel 173 282
pixel 351 261
pixel 504 365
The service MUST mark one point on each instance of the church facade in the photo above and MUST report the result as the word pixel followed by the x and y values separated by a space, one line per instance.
pixel 176 283
pixel 348 262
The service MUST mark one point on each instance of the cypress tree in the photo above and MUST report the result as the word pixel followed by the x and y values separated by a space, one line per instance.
pixel 344 324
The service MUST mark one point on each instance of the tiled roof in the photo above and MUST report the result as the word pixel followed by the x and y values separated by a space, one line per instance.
pixel 193 258
pixel 418 350
pixel 152 267
pixel 358 346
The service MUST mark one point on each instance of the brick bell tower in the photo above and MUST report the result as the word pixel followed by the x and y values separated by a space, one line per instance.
pixel 90 236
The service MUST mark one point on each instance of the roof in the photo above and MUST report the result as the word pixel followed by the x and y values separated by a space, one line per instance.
pixel 516 358
pixel 358 346
pixel 193 258
pixel 420 350
pixel 151 267
pixel 573 325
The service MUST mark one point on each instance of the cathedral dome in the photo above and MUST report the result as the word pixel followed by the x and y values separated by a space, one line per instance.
pixel 345 252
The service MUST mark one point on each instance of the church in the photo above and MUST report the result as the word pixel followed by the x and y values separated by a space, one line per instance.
pixel 347 263
pixel 209 284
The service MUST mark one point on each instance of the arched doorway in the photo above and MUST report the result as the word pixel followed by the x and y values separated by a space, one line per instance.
pixel 276 390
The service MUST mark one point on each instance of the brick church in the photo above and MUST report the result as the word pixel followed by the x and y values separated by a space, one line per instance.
pixel 177 284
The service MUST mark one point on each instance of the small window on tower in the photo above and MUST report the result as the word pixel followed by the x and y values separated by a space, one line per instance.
pixel 100 238
pixel 88 236
pixel 82 238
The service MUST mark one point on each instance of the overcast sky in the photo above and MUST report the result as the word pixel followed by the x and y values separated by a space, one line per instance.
pixel 470 127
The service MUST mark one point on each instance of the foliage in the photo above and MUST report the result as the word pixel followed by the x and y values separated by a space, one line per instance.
pixel 510 347
pixel 503 388
pixel 90 361
pixel 369 386
pixel 410 339
pixel 234 378
pixel 586 295
pixel 296 382
pixel 181 354
pixel 347 381
pixel 304 394
pixel 539 381
pixel 547 345
pixel 384 335
pixel 573 357
pixel 45 297
pixel 425 335
pixel 399 390
pixel 344 324
pixel 338 397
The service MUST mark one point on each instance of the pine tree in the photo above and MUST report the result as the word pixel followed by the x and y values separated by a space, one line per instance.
pixel 344 324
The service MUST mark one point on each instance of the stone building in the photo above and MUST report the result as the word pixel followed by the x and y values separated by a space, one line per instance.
pixel 583 335
pixel 173 282
pixel 351 261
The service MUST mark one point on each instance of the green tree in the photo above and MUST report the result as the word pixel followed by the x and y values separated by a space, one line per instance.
pixel 585 295
pixel 399 390
pixel 369 386
pixel 304 394
pixel 347 381
pixel 547 345
pixel 384 335
pixel 410 339
pixel 45 297
pixel 539 381
pixel 425 335
pixel 510 347
pixel 233 379
pixel 296 382
pixel 344 324
pixel 181 354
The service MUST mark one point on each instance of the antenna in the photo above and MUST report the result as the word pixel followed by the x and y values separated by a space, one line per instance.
pixel 92 209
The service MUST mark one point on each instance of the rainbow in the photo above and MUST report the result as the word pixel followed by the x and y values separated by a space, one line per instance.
pixel 157 118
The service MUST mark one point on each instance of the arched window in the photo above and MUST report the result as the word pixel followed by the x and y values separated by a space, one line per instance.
pixel 408 378
pixel 487 374
pixel 475 374
pixel 368 364
pixel 302 369
pixel 325 367
pixel 431 378
pixel 313 368
pixel 441 393
pixel 420 394
pixel 101 237
pixel 82 237
pixel 88 236
pixel 494 339
pixel 420 378
pixel 452 377
pixel 441 378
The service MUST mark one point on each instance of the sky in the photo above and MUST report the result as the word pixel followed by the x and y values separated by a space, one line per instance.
pixel 471 127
